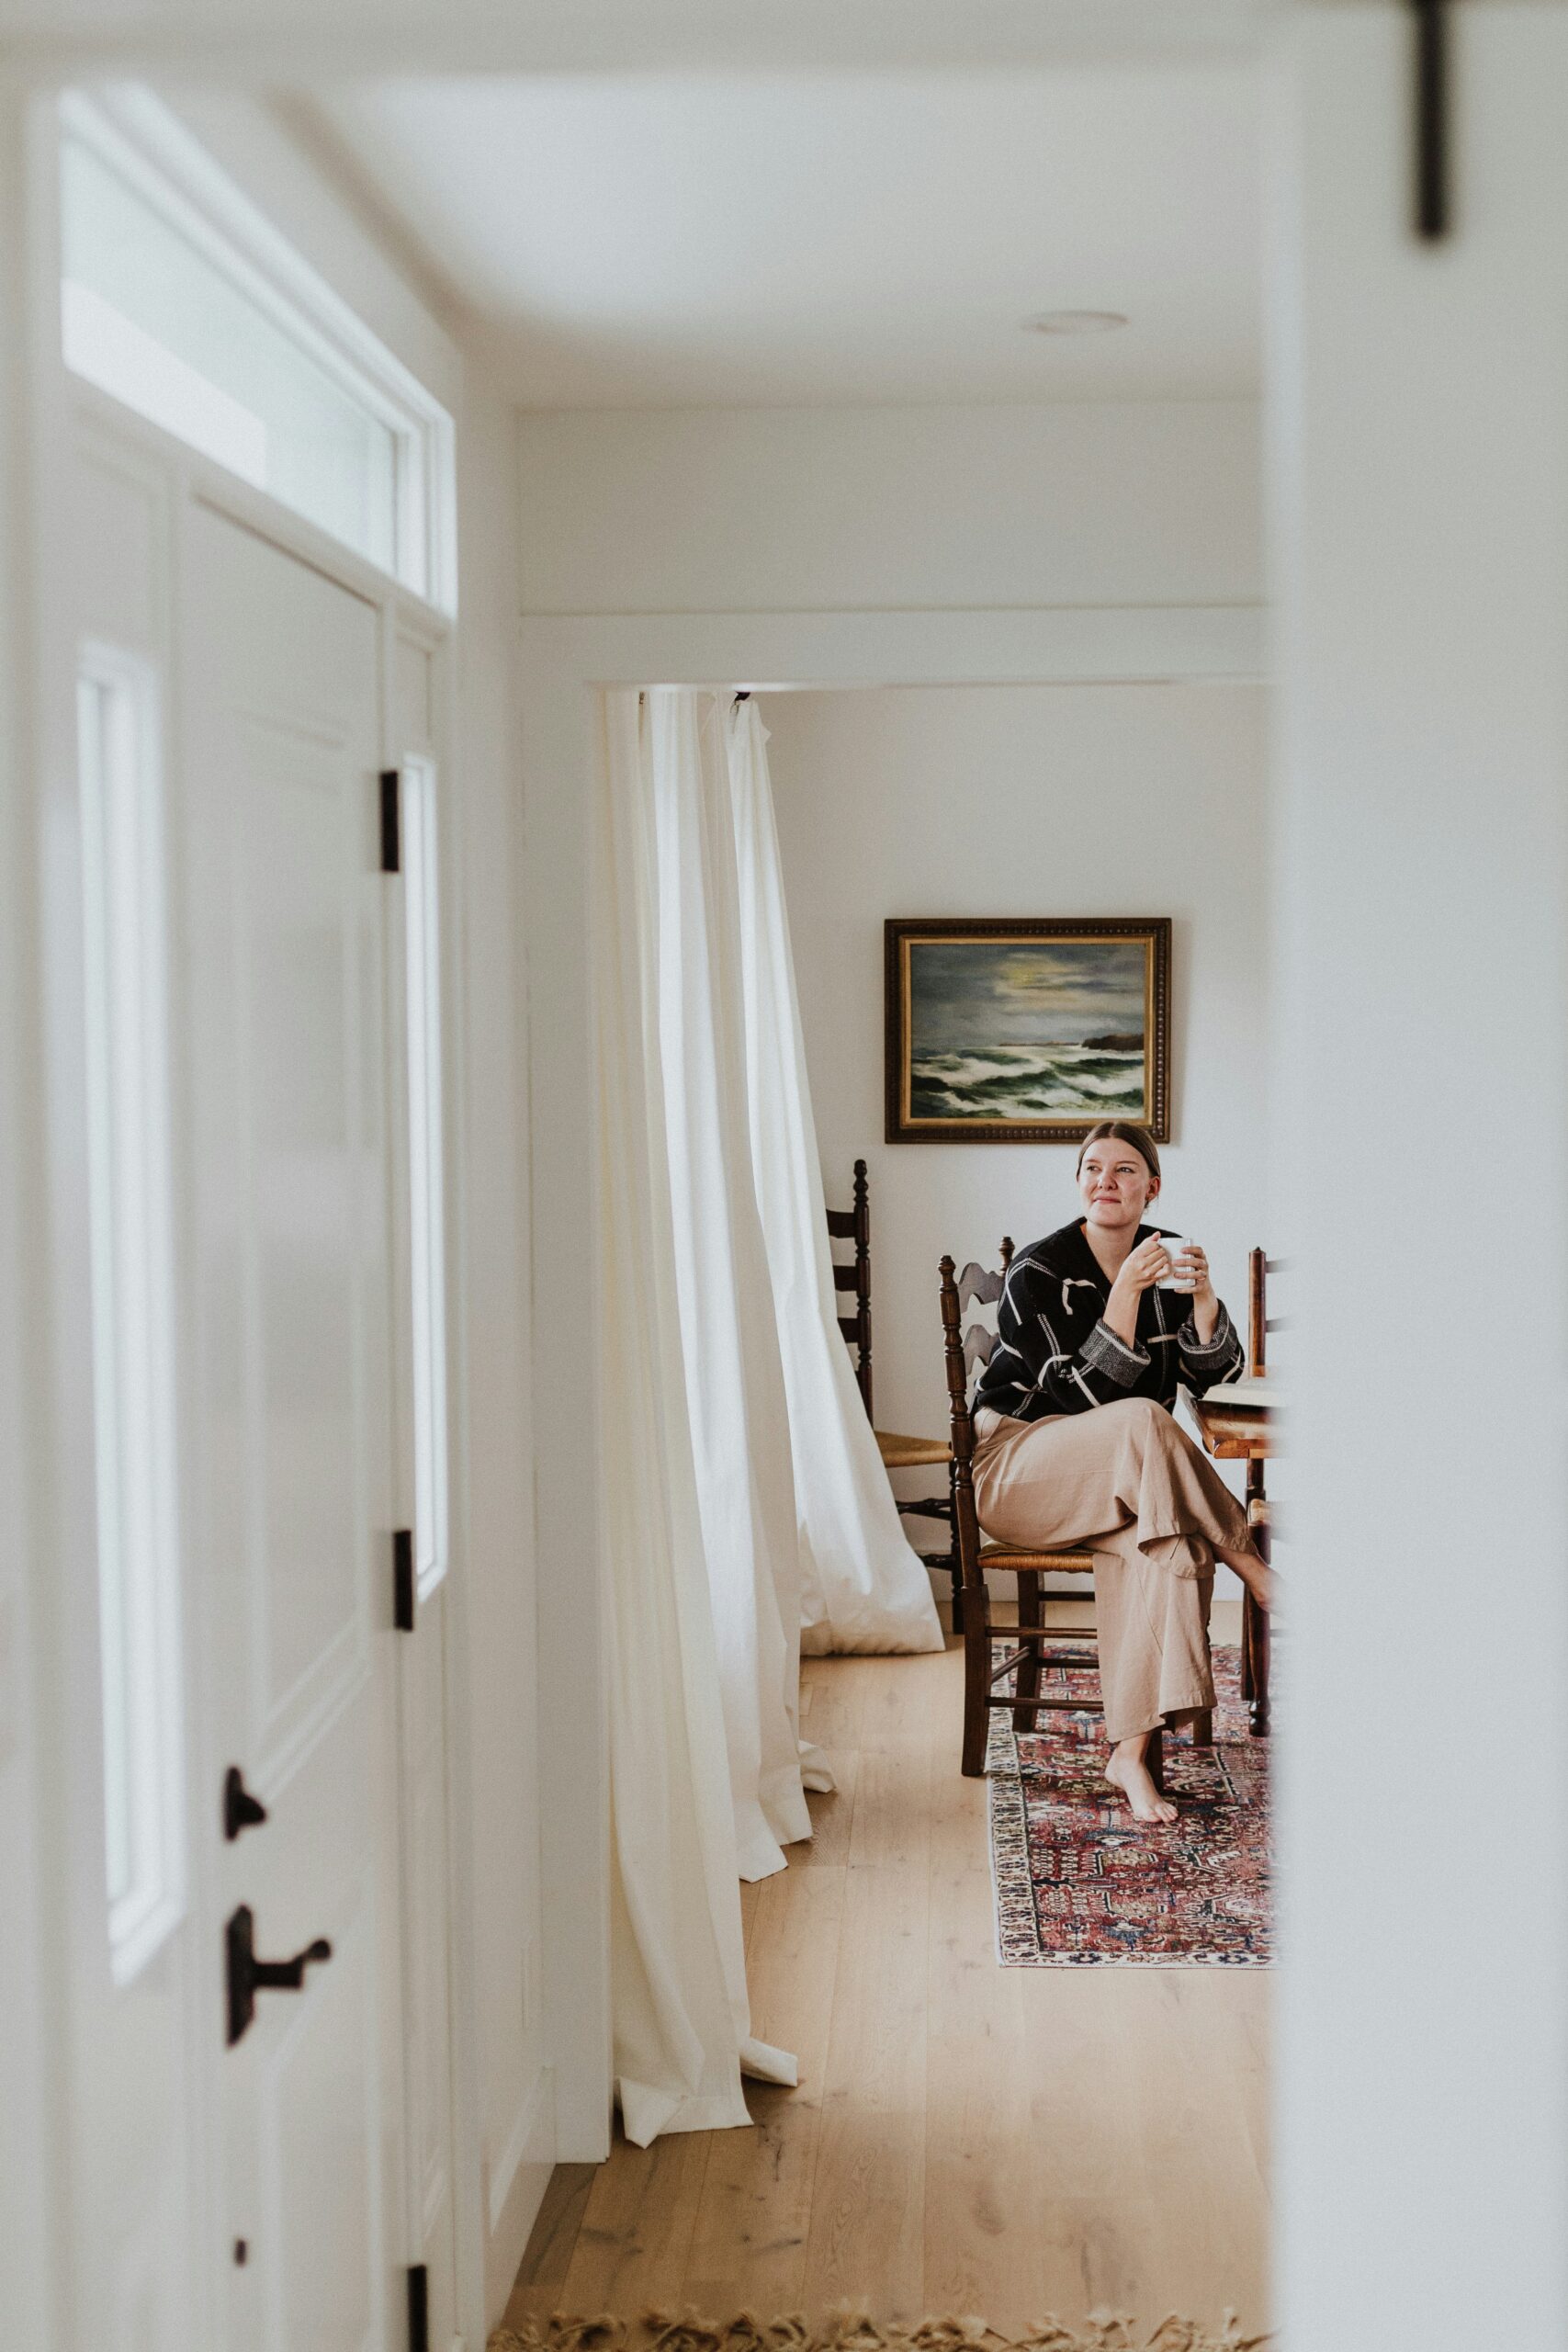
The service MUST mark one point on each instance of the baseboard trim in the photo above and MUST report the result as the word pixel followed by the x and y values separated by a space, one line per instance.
pixel 530 2136
pixel 514 2190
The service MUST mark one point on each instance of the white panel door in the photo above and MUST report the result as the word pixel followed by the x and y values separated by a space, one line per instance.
pixel 282 904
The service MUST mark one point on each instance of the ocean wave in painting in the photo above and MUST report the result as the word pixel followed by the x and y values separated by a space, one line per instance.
pixel 1028 1082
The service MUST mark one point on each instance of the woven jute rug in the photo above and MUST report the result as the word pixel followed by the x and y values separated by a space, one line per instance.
pixel 850 2330
pixel 1081 1885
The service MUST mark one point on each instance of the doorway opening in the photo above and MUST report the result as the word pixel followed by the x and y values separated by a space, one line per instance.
pixel 915 2158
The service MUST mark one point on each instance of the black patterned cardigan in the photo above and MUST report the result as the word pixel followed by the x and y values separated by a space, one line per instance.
pixel 1055 1353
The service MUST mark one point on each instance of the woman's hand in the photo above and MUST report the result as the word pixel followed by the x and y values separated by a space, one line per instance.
pixel 1140 1270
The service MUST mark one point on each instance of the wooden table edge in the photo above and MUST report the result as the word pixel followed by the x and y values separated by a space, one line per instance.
pixel 1236 1435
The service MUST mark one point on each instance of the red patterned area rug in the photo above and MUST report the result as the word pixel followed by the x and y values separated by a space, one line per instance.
pixel 1081 1885
pixel 851 2331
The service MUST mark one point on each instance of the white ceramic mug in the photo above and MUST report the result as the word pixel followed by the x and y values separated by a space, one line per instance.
pixel 1179 1278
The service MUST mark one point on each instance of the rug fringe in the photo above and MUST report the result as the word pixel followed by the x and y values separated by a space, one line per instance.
pixel 854 2331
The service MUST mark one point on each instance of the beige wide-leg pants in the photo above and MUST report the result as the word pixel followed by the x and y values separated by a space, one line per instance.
pixel 1125 1483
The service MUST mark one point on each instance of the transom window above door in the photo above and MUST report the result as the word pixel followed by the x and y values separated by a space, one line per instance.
pixel 180 302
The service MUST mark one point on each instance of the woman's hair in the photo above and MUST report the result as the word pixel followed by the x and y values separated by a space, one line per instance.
pixel 1125 1131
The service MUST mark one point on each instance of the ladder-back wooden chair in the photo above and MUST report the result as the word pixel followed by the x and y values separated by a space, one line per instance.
pixel 854 1225
pixel 1255 1641
pixel 853 1278
pixel 1033 1648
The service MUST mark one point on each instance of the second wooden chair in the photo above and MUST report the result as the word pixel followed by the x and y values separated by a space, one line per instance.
pixel 898 1451
pixel 1255 1645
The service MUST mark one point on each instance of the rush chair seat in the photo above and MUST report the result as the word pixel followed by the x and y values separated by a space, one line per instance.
pixel 913 1453
pixel 853 1278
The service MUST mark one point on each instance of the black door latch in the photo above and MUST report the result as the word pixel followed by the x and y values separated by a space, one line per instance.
pixel 247 1975
pixel 240 1810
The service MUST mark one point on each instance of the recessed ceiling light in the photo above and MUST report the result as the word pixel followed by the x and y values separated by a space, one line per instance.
pixel 1075 322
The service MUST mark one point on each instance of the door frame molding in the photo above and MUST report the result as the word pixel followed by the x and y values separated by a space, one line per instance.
pixel 564 662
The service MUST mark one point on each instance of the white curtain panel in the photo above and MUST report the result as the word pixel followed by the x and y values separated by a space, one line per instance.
pixel 863 1588
pixel 742 1491
pixel 734 1388
pixel 680 2020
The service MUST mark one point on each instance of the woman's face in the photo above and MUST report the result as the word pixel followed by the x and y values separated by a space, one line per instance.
pixel 1115 1184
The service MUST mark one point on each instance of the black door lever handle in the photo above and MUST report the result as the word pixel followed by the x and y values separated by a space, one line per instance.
pixel 247 1975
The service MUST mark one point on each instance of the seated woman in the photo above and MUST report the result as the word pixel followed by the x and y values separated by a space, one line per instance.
pixel 1076 1444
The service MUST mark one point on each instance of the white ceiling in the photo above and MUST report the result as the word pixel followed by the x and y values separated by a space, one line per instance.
pixel 673 241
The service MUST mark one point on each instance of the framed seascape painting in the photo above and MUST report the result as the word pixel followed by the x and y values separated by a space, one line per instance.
pixel 1026 1032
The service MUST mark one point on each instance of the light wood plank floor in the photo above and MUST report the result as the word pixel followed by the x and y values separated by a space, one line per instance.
pixel 965 2138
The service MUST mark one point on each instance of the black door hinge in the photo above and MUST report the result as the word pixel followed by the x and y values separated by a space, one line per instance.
pixel 1433 122
pixel 391 820
pixel 402 1579
pixel 419 2308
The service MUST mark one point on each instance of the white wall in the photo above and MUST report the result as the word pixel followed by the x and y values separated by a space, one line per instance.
pixel 892 509
pixel 1024 800
pixel 1423 570
pixel 510 2050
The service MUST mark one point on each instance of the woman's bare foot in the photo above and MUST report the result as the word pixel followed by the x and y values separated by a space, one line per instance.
pixel 1126 1770
pixel 1255 1573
